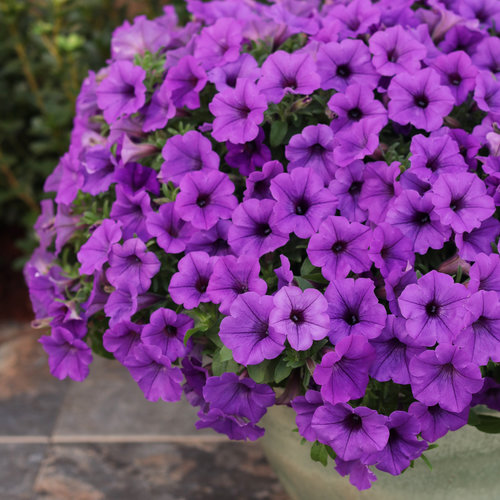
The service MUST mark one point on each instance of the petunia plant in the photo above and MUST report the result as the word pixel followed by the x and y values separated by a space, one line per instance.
pixel 289 203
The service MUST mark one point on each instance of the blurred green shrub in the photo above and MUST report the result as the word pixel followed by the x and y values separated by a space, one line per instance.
pixel 46 49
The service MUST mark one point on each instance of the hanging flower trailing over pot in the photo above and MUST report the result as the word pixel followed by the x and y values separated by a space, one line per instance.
pixel 291 197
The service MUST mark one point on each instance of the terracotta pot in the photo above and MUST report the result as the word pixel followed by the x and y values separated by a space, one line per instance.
pixel 466 465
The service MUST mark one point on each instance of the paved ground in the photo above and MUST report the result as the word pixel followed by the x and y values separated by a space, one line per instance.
pixel 100 440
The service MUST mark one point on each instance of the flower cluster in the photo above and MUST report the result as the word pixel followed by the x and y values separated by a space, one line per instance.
pixel 288 203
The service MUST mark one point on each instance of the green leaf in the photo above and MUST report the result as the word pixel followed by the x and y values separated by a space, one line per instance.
pixel 278 132
pixel 426 461
pixel 303 283
pixel 485 423
pixel 282 371
pixel 319 453
pixel 306 267
pixel 263 372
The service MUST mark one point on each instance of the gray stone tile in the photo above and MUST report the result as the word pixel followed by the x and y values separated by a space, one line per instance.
pixel 110 402
pixel 30 398
pixel 19 465
pixel 216 471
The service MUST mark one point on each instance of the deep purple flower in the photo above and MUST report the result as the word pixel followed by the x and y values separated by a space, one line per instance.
pixel 185 81
pixel 485 273
pixel 485 11
pixel 187 153
pixel 131 265
pixel 99 166
pixel 304 407
pixel 259 183
pixel 362 141
pixel 134 177
pixel 94 253
pixel 487 92
pixel 248 156
pixel 446 377
pixel 352 433
pixel 227 75
pixel 65 225
pixel 313 148
pixel 236 428
pixel 122 338
pixel 408 180
pixel 354 309
pixel 359 473
pixel 68 355
pixel 69 178
pixel 436 422
pixel 394 350
pixel 284 73
pixel 489 395
pixel 343 373
pixel 395 51
pixel 160 109
pixel 247 331
pixel 154 373
pixel 461 201
pixel 283 273
pixel 395 283
pixel 461 38
pixel 213 242
pixel 166 330
pixel 433 308
pixel 340 246
pixel 252 231
pixel 205 197
pixel 98 295
pixel 419 99
pixel 122 92
pixel 487 55
pixel 302 202
pixel 236 396
pixel 238 113
pixel 300 316
pixel 478 240
pixel 340 64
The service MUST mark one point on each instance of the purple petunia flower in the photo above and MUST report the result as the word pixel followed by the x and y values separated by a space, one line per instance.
pixel 461 201
pixel 283 273
pixel 487 93
pixel 94 253
pixel 248 156
pixel 259 183
pixel 487 55
pixel 99 167
pixel 353 433
pixel 446 377
pixel 166 330
pixel 433 308
pixel 361 142
pixel 236 428
pixel 227 75
pixel 359 473
pixel 160 109
pixel 213 242
pixel 284 73
pixel 485 273
pixel 122 338
pixel 313 148
pixel 232 277
pixel 304 407
pixel 247 331
pixel 189 285
pixel 489 395
pixel 238 112
pixel 134 177
pixel 478 240
pixel 68 355
pixel 300 315
pixel 354 309
pixel 395 283
pixel 302 202
pixel 236 396
pixel 340 246
pixel 356 17
pixel 252 231
pixel 436 422
pixel 343 373
pixel 205 197
pixel 122 92
pixel 154 373
pixel 131 265
pixel 394 350
pixel 419 99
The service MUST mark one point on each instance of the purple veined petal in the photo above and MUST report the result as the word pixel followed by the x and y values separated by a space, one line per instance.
pixel 122 338
pixel 304 407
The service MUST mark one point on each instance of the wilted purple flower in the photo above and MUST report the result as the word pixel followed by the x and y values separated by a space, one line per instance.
pixel 68 355
pixel 131 265
pixel 344 63
pixel 395 283
pixel 487 93
pixel 94 253
pixel 121 305
pixel 259 183
pixel 489 395
pixel 69 178
pixel 419 99
pixel 122 338
pixel 154 373
pixel 415 217
pixel 213 242
pixel 361 142
pixel 354 309
pixel 343 373
pixel 461 201
pixel 340 246
pixel 408 180
pixel 436 422
pixel 394 350
pixel 65 224
pixel 283 273
pixel 304 407
pixel 302 202
pixel 478 240
pixel 189 285
pixel 252 231
pixel 284 73
pixel 238 112
pixel 236 428
pixel 226 76
pixel 160 109
pixel 402 446
pixel 359 473
pixel 98 295
pixel 446 377
pixel 122 92
pixel 248 156
pixel 395 51
pixel 247 331
pixel 313 148
pixel 236 396
pixel 205 197
pixel 353 433
pixel 44 225
pixel 485 273
pixel 166 330
pixel 99 166
pixel 187 153
pixel 185 81
pixel 134 177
